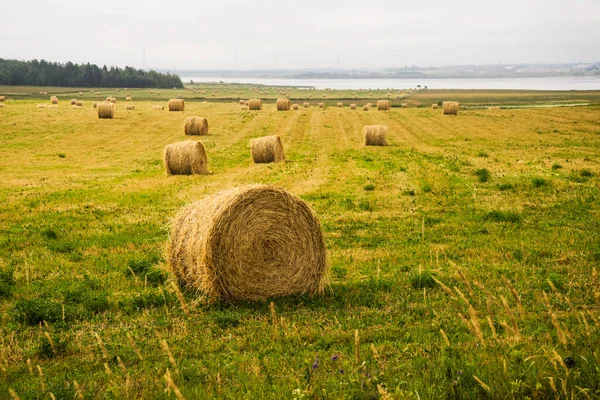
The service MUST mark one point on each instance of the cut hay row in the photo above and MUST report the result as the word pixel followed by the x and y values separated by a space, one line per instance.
pixel 283 104
pixel 185 158
pixel 248 243
pixel 255 104
pixel 374 135
pixel 450 108
pixel 176 105
pixel 195 126
pixel 384 105
pixel 267 149
pixel 106 109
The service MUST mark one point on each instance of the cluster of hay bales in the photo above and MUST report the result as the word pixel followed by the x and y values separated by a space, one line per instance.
pixel 130 107
pixel 106 109
pixel 434 106
pixel 283 104
pixel 176 105
pixel 185 158
pixel 384 105
pixel 267 149
pixel 450 108
pixel 195 126
pixel 374 135
pixel 248 243
pixel 255 104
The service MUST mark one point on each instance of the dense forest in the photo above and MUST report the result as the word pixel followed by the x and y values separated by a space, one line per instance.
pixel 44 73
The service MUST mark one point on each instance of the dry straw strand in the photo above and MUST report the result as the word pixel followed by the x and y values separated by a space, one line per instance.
pixel 450 108
pixel 106 110
pixel 356 346
pixel 283 104
pixel 176 105
pixel 185 158
pixel 251 243
pixel 267 149
pixel 374 135
pixel 195 126
pixel 384 105
pixel 171 385
pixel 13 394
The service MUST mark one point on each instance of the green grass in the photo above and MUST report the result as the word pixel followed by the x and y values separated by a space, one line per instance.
pixel 421 254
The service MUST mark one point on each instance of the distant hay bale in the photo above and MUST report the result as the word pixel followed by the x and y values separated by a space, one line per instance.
pixel 250 243
pixel 180 96
pixel 366 107
pixel 306 104
pixel 1 105
pixel 117 90
pixel 370 105
pixel 295 106
pixel 283 104
pixel 54 100
pixel 450 108
pixel 106 110
pixel 353 106
pixel 246 102
pixel 158 108
pixel 255 104
pixel 45 93
pixel 41 106
pixel 53 106
pixel 113 99
pixel 267 149
pixel 79 103
pixel 434 106
pixel 91 90
pixel 195 126
pixel 108 98
pixel 374 135
pixel 340 104
pixel 76 107
pixel 2 98
pixel 176 105
pixel 81 93
pixel 404 105
pixel 128 98
pixel 130 107
pixel 244 107
pixel 494 108
pixel 185 158
pixel 242 102
pixel 321 105
pixel 384 105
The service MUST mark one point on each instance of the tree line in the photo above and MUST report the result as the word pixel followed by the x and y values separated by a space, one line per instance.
pixel 44 73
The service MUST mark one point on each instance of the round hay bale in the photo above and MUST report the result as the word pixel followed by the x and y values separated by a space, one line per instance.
pixel 295 106
pixel 113 99
pixel 158 108
pixel 366 107
pixel 321 105
pixel 76 107
pixel 404 105
pixel 374 135
pixel 41 106
pixel 185 158
pixel 255 104
pixel 73 102
pixel 81 93
pixel 450 108
pixel 176 105
pixel 53 106
pixel 130 107
pixel 79 103
pixel 106 110
pixel 2 98
pixel 434 106
pixel 340 104
pixel 384 105
pixel 195 126
pixel 353 106
pixel 242 102
pixel 250 242
pixel 306 104
pixel 1 105
pixel 128 98
pixel 267 149
pixel 91 90
pixel 283 104
pixel 54 100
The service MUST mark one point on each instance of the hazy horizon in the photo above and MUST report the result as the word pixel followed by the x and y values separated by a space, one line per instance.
pixel 244 35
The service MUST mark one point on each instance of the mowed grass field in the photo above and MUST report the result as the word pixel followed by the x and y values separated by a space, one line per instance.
pixel 464 256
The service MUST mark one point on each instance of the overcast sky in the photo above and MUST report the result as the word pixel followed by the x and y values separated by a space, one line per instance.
pixel 188 34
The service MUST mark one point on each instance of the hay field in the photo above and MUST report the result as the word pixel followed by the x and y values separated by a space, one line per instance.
pixel 464 255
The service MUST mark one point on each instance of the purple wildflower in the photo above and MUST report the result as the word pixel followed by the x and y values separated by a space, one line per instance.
pixel 341 371
pixel 335 357
pixel 316 363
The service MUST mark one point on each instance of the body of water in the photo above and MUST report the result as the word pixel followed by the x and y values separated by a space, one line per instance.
pixel 548 83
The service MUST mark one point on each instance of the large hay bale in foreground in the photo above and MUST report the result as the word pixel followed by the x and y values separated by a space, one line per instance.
pixel 283 104
pixel 250 242
pixel 176 105
pixel 195 126
pixel 374 135
pixel 255 104
pixel 450 108
pixel 384 105
pixel 434 106
pixel 106 110
pixel 267 149
pixel 185 158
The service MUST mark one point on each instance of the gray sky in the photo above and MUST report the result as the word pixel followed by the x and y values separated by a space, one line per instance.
pixel 187 34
